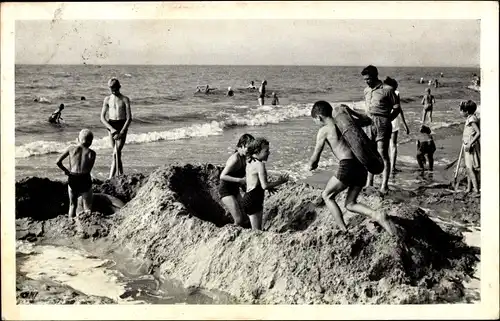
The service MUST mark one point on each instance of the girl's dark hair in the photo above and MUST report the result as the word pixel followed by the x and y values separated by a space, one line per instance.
pixel 468 106
pixel 244 140
pixel 425 129
pixel 391 82
pixel 256 145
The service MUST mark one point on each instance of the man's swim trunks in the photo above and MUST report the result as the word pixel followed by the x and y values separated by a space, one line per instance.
pixel 117 124
pixel 79 183
pixel 381 128
pixel 253 201
pixel 351 172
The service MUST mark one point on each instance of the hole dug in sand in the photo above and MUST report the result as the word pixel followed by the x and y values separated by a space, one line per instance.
pixel 196 189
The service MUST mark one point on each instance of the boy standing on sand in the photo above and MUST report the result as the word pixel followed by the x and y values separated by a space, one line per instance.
pixel 117 107
pixel 81 161
pixel 351 174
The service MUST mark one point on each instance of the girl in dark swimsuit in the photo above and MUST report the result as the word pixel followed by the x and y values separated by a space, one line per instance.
pixel 256 179
pixel 232 177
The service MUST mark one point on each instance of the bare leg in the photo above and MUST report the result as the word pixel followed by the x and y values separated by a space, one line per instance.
pixel 421 161
pixel 424 114
pixel 352 205
pixel 231 203
pixel 430 159
pixel 473 179
pixel 87 198
pixel 333 187
pixel 394 151
pixel 383 149
pixel 112 171
pixel 430 116
pixel 73 203
pixel 256 221
pixel 261 101
pixel 120 143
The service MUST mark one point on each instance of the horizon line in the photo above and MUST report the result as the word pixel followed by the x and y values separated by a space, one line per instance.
pixel 246 65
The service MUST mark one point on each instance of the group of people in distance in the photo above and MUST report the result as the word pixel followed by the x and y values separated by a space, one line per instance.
pixel 230 92
pixel 246 167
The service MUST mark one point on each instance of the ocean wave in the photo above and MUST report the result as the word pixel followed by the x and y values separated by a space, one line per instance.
pixel 49 147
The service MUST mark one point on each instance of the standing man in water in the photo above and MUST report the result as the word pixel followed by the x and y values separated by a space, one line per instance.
pixel 117 107
pixel 383 107
pixel 262 92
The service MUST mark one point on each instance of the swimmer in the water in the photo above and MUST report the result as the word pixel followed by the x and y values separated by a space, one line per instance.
pixel 204 89
pixel 230 92
pixel 262 92
pixel 117 107
pixel 276 100
pixel 56 118
pixel 252 85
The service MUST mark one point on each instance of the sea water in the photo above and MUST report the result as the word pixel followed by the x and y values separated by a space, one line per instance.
pixel 173 124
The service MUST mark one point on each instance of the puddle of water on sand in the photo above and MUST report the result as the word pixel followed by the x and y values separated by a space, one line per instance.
pixel 92 275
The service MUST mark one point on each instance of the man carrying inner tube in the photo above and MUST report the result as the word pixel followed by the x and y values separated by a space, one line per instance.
pixel 383 107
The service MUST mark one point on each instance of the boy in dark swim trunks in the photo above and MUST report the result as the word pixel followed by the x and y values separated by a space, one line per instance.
pixel 351 174
pixel 81 161
pixel 233 177
pixel 256 180
pixel 117 107
pixel 425 148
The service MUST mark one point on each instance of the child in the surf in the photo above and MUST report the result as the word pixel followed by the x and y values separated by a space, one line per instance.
pixel 56 118
pixel 81 162
pixel 428 101
pixel 351 174
pixel 425 148
pixel 233 177
pixel 471 144
pixel 275 100
pixel 257 181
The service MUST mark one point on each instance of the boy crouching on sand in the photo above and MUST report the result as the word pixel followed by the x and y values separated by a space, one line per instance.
pixel 351 173
pixel 81 161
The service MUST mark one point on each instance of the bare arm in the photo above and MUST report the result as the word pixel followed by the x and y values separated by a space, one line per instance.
pixel 475 137
pixel 128 112
pixel 433 100
pixel 318 149
pixel 396 105
pixel 423 100
pixel 92 160
pixel 404 121
pixel 60 161
pixel 263 178
pixel 230 165
pixel 104 112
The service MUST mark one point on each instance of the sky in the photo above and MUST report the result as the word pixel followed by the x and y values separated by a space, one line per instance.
pixel 249 42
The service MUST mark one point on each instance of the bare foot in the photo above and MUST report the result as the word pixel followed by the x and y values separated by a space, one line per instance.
pixel 386 223
pixel 384 190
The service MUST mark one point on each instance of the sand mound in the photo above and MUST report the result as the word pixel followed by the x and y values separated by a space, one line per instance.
pixel 42 206
pixel 177 226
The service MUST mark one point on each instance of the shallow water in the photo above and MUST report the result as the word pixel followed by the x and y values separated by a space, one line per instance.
pixel 99 276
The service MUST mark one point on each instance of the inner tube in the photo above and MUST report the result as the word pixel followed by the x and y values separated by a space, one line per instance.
pixel 362 147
